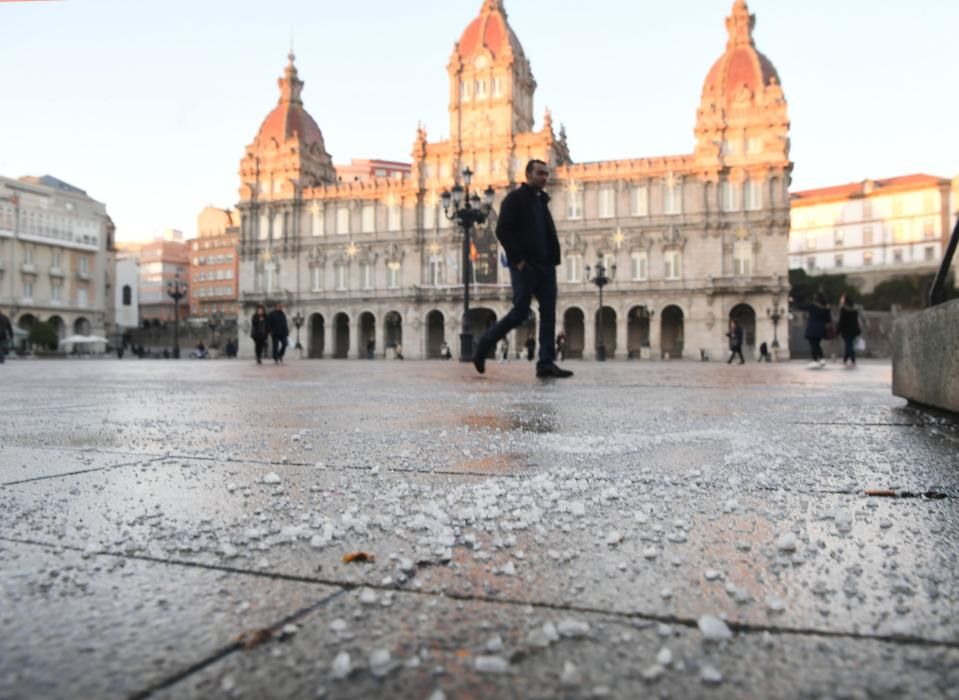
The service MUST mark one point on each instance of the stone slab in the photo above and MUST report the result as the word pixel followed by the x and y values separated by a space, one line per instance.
pixel 925 356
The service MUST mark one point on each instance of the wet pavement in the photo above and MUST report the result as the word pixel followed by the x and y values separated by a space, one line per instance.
pixel 178 530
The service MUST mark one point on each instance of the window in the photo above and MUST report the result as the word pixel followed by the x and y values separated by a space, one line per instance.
pixel 497 87
pixel 56 292
pixel 264 227
pixel 28 255
pixel 341 277
pixel 899 233
pixel 810 241
pixel 839 237
pixel 28 289
pixel 929 229
pixel 368 218
pixel 639 200
pixel 607 203
pixel 929 202
pixel 673 197
pixel 83 265
pixel 127 295
pixel 480 88
pixel 867 235
pixel 866 209
pixel 317 279
pixel 55 259
pixel 429 216
pixel 574 268
pixel 674 266
pixel 393 274
pixel 82 296
pixel 729 195
pixel 640 265
pixel 435 272
pixel 867 258
pixel 754 145
pixel 837 261
pixel 395 216
pixel 464 91
pixel 574 202
pixel 754 195
pixel 897 255
pixel 343 220
pixel 317 220
pixel 743 258
pixel 810 264
pixel 366 275
pixel 930 253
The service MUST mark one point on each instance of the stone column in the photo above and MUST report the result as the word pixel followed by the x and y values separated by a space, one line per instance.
pixel 379 335
pixel 589 333
pixel 655 337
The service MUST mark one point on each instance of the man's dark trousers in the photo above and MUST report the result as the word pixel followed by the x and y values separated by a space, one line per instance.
pixel 279 346
pixel 534 280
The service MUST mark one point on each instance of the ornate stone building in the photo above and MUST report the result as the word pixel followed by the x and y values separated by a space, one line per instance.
pixel 695 238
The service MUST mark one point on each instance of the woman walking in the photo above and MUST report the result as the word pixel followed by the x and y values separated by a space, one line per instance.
pixel 848 328
pixel 258 331
pixel 820 319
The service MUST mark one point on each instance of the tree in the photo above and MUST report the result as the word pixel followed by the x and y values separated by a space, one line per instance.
pixel 43 335
pixel 804 286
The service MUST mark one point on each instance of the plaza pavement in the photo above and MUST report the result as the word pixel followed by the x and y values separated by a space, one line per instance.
pixel 670 529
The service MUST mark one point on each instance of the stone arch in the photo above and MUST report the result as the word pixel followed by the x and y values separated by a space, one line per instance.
pixel 341 335
pixel 392 330
pixel 574 328
pixel 26 322
pixel 435 333
pixel 481 318
pixel 672 331
pixel 365 334
pixel 81 326
pixel 745 316
pixel 637 330
pixel 316 339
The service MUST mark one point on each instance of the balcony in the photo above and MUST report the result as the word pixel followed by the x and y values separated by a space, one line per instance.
pixel 28 268
pixel 56 272
pixel 83 276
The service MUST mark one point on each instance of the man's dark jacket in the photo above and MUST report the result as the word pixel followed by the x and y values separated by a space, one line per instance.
pixel 6 330
pixel 277 325
pixel 516 227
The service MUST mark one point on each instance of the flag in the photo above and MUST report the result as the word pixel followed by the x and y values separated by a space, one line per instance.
pixel 474 254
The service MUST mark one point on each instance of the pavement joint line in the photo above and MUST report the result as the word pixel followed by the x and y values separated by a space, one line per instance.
pixel 231 648
pixel 74 473
pixel 345 586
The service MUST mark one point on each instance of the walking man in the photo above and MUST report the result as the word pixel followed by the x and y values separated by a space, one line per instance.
pixel 279 331
pixel 528 235
pixel 6 335
pixel 735 336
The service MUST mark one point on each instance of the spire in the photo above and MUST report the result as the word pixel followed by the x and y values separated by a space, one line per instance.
pixel 740 26
pixel 290 84
pixel 493 6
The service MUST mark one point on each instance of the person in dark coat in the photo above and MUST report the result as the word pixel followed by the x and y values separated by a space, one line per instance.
pixel 6 335
pixel 735 336
pixel 820 319
pixel 528 235
pixel 279 329
pixel 258 331
pixel 848 328
pixel 561 346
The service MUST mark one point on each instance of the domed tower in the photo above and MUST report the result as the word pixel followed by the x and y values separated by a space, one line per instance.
pixel 491 84
pixel 288 148
pixel 742 115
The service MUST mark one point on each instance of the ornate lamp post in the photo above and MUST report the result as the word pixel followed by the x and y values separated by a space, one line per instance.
pixel 776 314
pixel 176 290
pixel 298 323
pixel 601 279
pixel 473 211
pixel 215 320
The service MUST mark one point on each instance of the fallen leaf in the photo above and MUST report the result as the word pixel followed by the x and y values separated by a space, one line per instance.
pixel 254 638
pixel 354 557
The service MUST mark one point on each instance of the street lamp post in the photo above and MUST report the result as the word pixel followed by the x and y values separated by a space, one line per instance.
pixel 776 314
pixel 298 323
pixel 176 290
pixel 473 211
pixel 216 318
pixel 601 279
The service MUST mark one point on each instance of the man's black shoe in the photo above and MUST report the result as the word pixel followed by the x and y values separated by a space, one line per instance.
pixel 553 371
pixel 479 361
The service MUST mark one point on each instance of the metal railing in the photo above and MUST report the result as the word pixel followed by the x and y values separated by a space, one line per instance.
pixel 937 294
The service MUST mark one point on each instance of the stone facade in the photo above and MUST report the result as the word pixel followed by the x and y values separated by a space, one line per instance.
pixel 54 244
pixel 214 266
pixel 695 238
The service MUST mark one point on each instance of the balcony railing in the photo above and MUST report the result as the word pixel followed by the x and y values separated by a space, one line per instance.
pixel 56 271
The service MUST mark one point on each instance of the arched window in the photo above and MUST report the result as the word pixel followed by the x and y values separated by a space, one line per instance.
pixel 127 295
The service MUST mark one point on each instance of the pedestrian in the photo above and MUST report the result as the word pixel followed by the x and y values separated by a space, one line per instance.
pixel 735 335
pixel 6 335
pixel 201 353
pixel 764 352
pixel 561 346
pixel 504 349
pixel 370 348
pixel 399 352
pixel 527 233
pixel 445 353
pixel 259 331
pixel 279 330
pixel 848 327
pixel 818 326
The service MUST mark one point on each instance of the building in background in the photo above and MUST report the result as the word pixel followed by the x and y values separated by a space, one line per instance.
pixel 125 309
pixel 874 229
pixel 54 241
pixel 214 265
pixel 364 170
pixel 697 237
pixel 162 260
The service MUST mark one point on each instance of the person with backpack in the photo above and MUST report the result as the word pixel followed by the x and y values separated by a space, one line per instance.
pixel 259 331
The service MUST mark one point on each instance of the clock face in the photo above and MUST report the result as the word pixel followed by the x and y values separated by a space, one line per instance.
pixel 480 62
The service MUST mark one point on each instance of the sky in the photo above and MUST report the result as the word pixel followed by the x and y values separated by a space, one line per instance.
pixel 148 105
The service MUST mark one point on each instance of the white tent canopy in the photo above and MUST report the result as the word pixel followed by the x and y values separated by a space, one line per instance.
pixel 83 339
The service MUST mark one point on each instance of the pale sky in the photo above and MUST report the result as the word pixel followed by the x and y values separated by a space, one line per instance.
pixel 148 105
